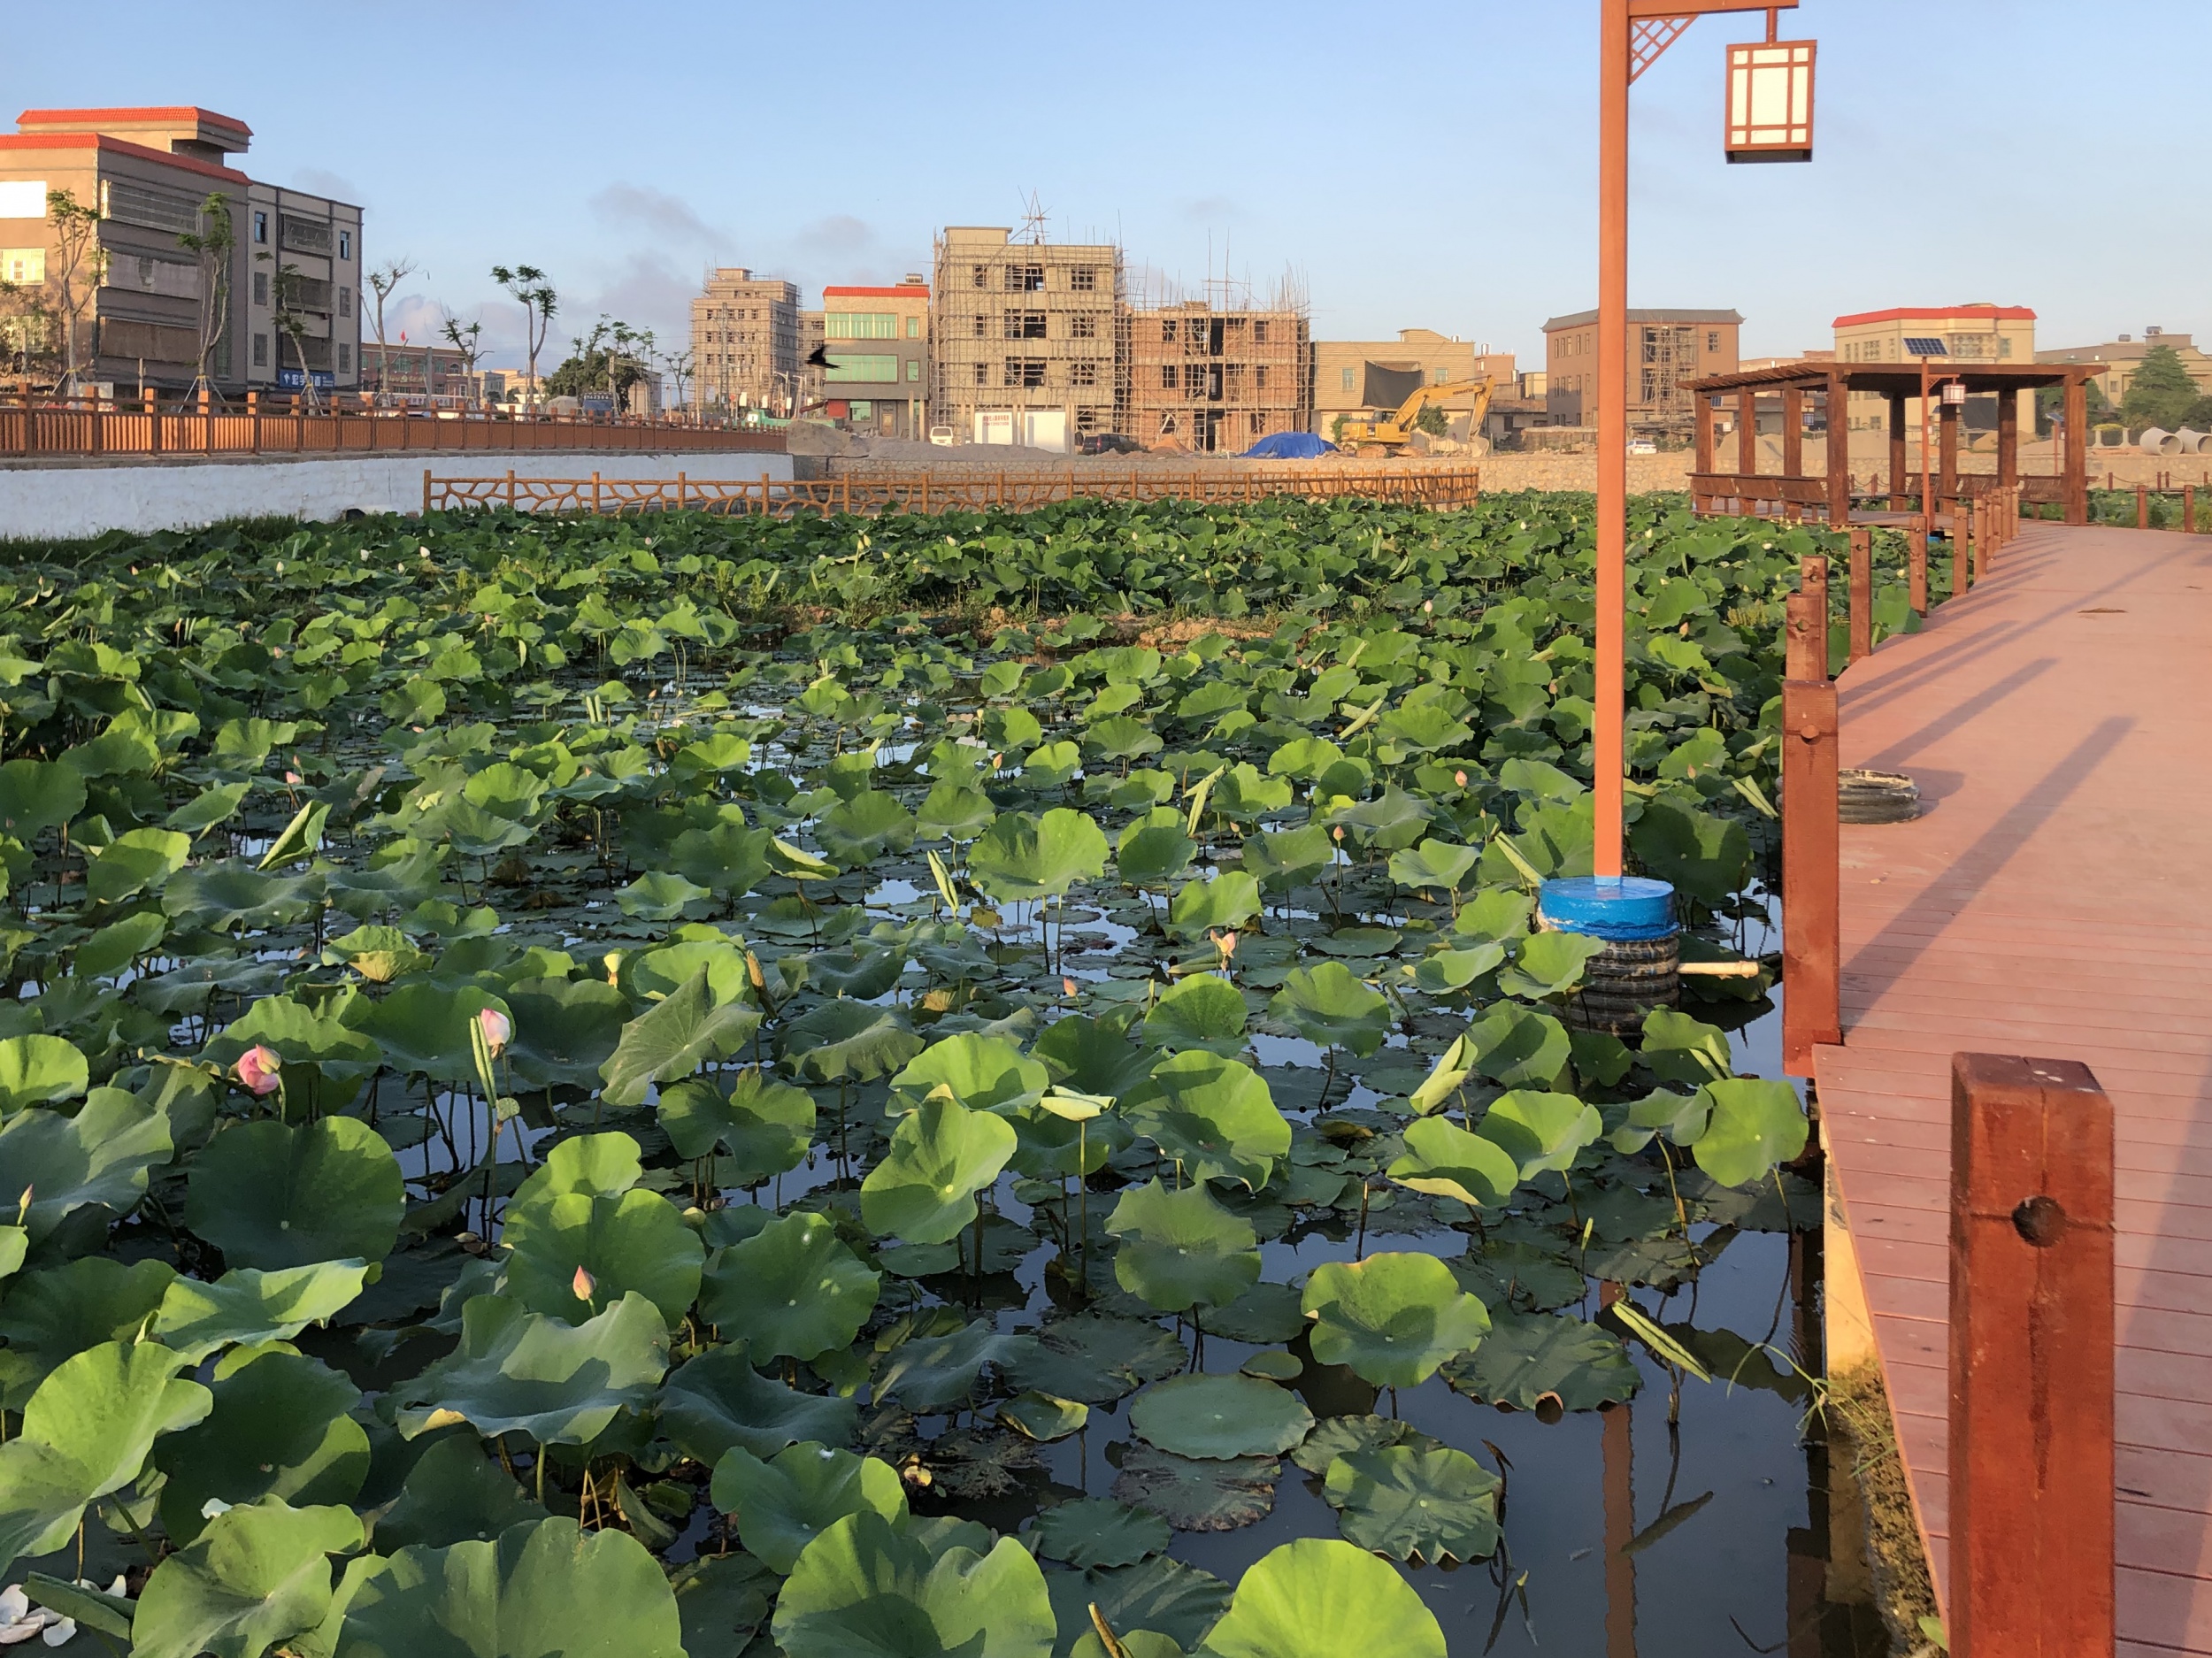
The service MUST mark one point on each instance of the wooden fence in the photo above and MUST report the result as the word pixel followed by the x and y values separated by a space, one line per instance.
pixel 100 428
pixel 921 492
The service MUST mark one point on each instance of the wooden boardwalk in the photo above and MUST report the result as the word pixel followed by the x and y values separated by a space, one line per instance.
pixel 2055 901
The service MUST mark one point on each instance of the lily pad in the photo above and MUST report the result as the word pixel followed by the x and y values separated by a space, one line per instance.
pixel 257 1577
pixel 269 1194
pixel 1094 1532
pixel 1161 1598
pixel 1220 1418
pixel 280 1428
pixel 1391 1317
pixel 1445 1160
pixel 1095 1358
pixel 863 1587
pixel 1333 1007
pixel 1423 1506
pixel 1265 1313
pixel 1527 1356
pixel 718 1401
pixel 941 1155
pixel 1198 1496
pixel 520 1371
pixel 1342 1436
pixel 1181 1249
pixel 792 1289
pixel 785 1503
pixel 1214 1115
pixel 1320 1598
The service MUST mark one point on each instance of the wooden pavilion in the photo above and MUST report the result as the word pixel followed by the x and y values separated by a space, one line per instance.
pixel 1794 493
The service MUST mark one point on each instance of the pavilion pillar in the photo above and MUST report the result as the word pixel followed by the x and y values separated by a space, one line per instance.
pixel 1703 436
pixel 1792 431
pixel 1839 408
pixel 1747 432
pixel 2007 439
pixel 2076 470
pixel 1947 452
pixel 1898 462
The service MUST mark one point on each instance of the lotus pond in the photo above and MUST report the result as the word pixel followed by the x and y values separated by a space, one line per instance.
pixel 974 1085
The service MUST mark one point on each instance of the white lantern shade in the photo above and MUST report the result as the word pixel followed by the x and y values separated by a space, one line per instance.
pixel 1771 101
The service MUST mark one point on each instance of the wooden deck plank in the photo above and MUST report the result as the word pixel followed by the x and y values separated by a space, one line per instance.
pixel 2055 901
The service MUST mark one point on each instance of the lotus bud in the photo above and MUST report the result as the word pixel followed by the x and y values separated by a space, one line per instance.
pixel 1068 987
pixel 1459 778
pixel 1338 831
pixel 496 1026
pixel 584 1284
pixel 292 779
pixel 258 1069
pixel 23 1205
pixel 1428 607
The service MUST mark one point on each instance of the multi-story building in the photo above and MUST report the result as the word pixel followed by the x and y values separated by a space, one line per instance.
pixel 286 292
pixel 2125 357
pixel 1665 350
pixel 1971 334
pixel 876 342
pixel 810 392
pixel 1208 379
pixel 407 369
pixel 1356 380
pixel 745 347
pixel 1024 338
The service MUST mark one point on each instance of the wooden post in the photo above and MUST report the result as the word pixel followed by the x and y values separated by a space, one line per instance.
pixel 2007 439
pixel 2074 472
pixel 1703 437
pixel 1898 461
pixel 425 492
pixel 682 492
pixel 2188 509
pixel 1838 405
pixel 1917 568
pixel 2142 506
pixel 1979 515
pixel 925 492
pixel 1811 849
pixel 207 420
pixel 1747 432
pixel 1960 547
pixel 153 422
pixel 2031 1468
pixel 595 492
pixel 1947 450
pixel 845 484
pixel 1861 593
pixel 511 489
pixel 1792 431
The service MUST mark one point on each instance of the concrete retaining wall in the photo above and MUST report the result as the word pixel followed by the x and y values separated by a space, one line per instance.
pixel 62 501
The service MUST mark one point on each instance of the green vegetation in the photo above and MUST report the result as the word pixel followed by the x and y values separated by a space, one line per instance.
pixel 536 1050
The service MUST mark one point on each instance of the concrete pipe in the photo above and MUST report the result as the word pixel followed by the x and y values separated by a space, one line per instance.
pixel 2158 440
pixel 2191 442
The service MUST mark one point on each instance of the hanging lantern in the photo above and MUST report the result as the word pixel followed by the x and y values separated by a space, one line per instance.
pixel 1771 101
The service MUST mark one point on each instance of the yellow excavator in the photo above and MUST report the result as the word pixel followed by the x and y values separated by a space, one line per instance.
pixel 1394 432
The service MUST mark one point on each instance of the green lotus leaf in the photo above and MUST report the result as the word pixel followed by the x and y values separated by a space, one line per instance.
pixel 565 1029
pixel 792 1289
pixel 859 973
pixel 278 1428
pixel 1755 1125
pixel 863 1587
pixel 985 1073
pixel 1509 1274
pixel 1684 1051
pixel 1549 963
pixel 1341 1436
pixel 1159 1608
pixel 1092 1058
pixel 1220 1418
pixel 718 1400
pixel 39 1070
pixel 1051 764
pixel 1042 1417
pixel 763 1126
pixel 942 1154
pixel 1265 1314
pixel 520 1371
pixel 784 1504
pixel 115 946
pixel 1213 1116
pixel 870 824
pixel 100 1156
pixel 1433 864
pixel 847 1038
pixel 1393 1318
pixel 1333 1007
pixel 633 1242
pixel 953 811
pixel 933 1373
pixel 1020 857
pixel 268 1195
pixel 597 1165
pixel 540 1589
pixel 247 1307
pixel 424 1027
pixel 227 895
pixel 51 1315
pixel 1279 861
pixel 664 895
pixel 1181 1249
pixel 1703 854
pixel 1447 972
pixel 1204 1011
pixel 1094 1532
pixel 673 1038
pixel 1195 1496
pixel 1431 1506
pixel 86 1432
pixel 723 1601
pixel 1322 1597
pixel 1445 1160
pixel 1154 851
pixel 37 795
pixel 1511 1045
pixel 453 1493
pixel 1496 915
pixel 1095 1358
pixel 132 863
pixel 1540 1130
pixel 258 1576
pixel 1527 1356
pixel 1222 904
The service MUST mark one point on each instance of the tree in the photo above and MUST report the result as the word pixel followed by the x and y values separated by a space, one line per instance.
pixel 292 326
pixel 1434 421
pixel 679 365
pixel 80 263
pixel 466 339
pixel 607 359
pixel 383 280
pixel 2162 394
pixel 210 247
pixel 26 327
pixel 527 284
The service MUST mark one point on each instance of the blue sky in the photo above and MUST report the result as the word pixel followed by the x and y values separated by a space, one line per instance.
pixel 1416 166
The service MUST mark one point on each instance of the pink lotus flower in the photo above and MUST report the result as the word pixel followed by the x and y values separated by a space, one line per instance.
pixel 258 1069
pixel 584 1284
pixel 496 1026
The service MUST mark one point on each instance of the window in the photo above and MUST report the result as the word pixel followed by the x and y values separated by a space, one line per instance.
pixel 308 235
pixel 1259 332
pixel 1712 339
pixel 980 377
pixel 871 369
pixel 1437 376
pixel 345 358
pixel 1169 379
pixel 261 226
pixel 1167 330
pixel 2004 345
pixel 1083 279
pixel 1082 374
pixel 1083 326
pixel 860 324
pixel 1024 370
pixel 1025 325
pixel 913 369
pixel 982 329
pixel 913 327
pixel 1024 279
pixel 22 264
pixel 261 351
pixel 345 302
pixel 156 209
pixel 345 244
pixel 1259 378
pixel 1259 423
pixel 1347 380
pixel 982 277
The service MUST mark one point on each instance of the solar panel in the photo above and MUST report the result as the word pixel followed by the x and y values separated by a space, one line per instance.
pixel 1926 347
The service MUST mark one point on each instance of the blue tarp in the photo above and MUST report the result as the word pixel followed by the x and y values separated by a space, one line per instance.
pixel 1289 446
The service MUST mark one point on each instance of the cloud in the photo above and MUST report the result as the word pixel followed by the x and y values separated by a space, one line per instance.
pixel 337 186
pixel 656 210
pixel 1211 210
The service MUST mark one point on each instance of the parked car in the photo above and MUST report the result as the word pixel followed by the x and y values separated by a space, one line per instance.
pixel 1642 446
pixel 1108 443
pixel 942 436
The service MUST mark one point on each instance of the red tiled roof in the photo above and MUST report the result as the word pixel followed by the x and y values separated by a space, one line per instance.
pixel 1907 313
pixel 166 112
pixel 119 146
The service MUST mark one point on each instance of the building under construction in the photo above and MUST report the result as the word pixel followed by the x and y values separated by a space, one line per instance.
pixel 1025 338
pixel 1221 372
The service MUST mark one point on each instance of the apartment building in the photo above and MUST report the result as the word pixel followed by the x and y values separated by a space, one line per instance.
pixel 1356 380
pixel 1971 334
pixel 1665 349
pixel 813 338
pixel 1209 380
pixel 745 346
pixel 1024 342
pixel 2124 356
pixel 287 294
pixel 876 340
